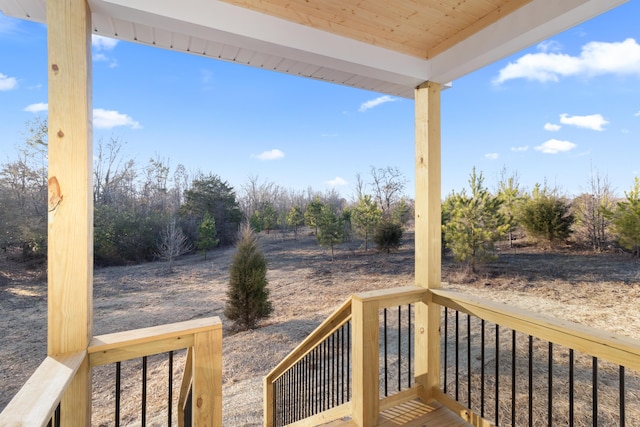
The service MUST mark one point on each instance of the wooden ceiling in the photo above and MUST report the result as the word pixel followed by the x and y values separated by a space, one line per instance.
pixel 418 28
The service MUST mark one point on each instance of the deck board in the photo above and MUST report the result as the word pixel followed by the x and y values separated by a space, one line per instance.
pixel 413 413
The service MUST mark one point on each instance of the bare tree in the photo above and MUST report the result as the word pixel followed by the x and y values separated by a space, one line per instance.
pixel 387 184
pixel 592 224
pixel 172 243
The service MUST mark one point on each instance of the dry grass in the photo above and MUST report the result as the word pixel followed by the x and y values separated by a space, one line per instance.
pixel 598 290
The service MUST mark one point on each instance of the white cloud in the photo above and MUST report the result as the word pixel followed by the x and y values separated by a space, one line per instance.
pixel 596 58
pixel 36 108
pixel 549 46
pixel 375 102
pixel 551 127
pixel 491 156
pixel 520 149
pixel 337 181
pixel 593 122
pixel 7 83
pixel 103 43
pixel 270 155
pixel 100 45
pixel 637 114
pixel 108 119
pixel 8 25
pixel 555 146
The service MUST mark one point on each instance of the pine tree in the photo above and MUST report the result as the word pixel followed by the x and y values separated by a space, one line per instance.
pixel 546 216
pixel 475 223
pixel 207 234
pixel 330 228
pixel 248 296
pixel 366 216
pixel 312 214
pixel 295 219
pixel 510 198
pixel 626 219
pixel 388 236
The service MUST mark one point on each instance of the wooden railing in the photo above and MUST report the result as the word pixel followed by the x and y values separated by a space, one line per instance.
pixel 556 338
pixel 36 402
pixel 364 311
pixel 515 388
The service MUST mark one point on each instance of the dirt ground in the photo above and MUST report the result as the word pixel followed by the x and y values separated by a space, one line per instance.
pixel 599 290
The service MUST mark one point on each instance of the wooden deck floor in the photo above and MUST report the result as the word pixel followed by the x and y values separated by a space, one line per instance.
pixel 412 414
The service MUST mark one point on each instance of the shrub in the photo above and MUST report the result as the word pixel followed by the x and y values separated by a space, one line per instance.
pixel 388 236
pixel 248 296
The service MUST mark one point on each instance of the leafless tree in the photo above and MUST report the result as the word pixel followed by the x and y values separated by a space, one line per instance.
pixel 172 243
pixel 387 185
pixel 592 225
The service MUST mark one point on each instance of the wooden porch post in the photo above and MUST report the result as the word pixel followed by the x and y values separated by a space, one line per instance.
pixel 70 229
pixel 427 233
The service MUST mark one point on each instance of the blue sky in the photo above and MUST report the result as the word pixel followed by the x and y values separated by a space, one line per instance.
pixel 552 112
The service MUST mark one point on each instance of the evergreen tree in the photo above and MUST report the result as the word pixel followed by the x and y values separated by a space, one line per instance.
pixel 626 219
pixel 510 199
pixel 475 223
pixel 313 213
pixel 388 236
pixel 269 217
pixel 330 228
pixel 546 216
pixel 295 219
pixel 248 296
pixel 401 213
pixel 207 234
pixel 366 216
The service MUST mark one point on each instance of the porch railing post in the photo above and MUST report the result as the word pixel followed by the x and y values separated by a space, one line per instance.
pixel 366 369
pixel 428 245
pixel 207 378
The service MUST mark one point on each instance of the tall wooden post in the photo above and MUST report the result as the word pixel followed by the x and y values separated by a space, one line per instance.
pixel 427 233
pixel 70 242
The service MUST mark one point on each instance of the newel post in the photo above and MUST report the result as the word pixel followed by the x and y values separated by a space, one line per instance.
pixel 207 378
pixel 427 234
pixel 70 218
pixel 366 399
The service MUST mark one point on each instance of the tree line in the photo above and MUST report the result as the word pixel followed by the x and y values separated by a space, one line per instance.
pixel 474 221
pixel 152 211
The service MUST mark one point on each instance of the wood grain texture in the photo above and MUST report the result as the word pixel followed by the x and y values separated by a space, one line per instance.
pixel 38 398
pixel 422 29
pixel 366 363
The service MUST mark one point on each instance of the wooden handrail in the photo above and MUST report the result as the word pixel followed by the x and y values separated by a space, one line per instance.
pixel 621 350
pixel 38 398
pixel 326 328
pixel 120 346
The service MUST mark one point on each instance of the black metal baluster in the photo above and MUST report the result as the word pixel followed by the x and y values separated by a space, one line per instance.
pixel 118 376
pixel 571 393
pixel 622 398
pixel 457 354
pixel 144 390
pixel 409 334
pixel 384 316
pixel 170 392
pixel 550 386
pixel 530 381
pixel 595 391
pixel 399 348
pixel 446 336
pixel 469 360
pixel 56 416
pixel 513 377
pixel 482 358
pixel 497 373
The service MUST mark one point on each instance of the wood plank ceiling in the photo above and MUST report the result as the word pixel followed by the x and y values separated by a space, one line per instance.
pixel 419 28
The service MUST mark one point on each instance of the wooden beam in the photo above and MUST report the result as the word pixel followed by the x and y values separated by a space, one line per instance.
pixel 70 228
pixel 427 232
